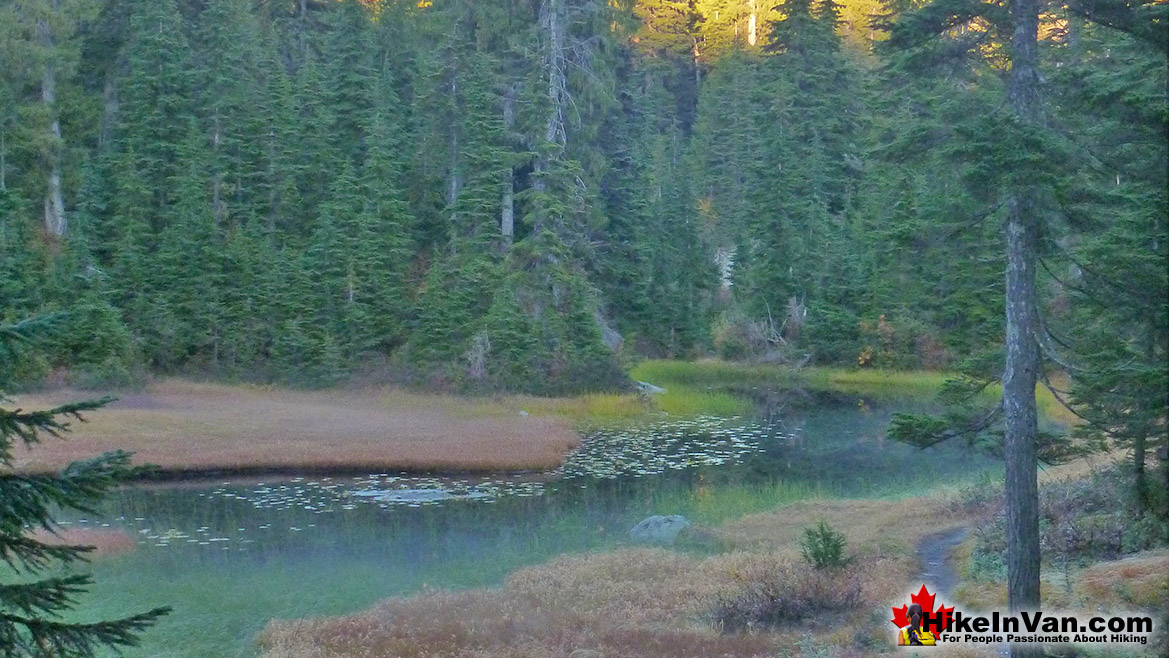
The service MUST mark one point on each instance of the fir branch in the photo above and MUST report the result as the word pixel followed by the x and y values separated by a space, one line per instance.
pixel 25 554
pixel 48 596
pixel 1059 398
pixel 65 640
pixel 27 426
pixel 925 431
pixel 1043 338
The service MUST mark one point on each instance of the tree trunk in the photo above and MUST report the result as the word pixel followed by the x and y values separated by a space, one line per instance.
pixel 507 215
pixel 751 29
pixel 1140 477
pixel 217 185
pixel 55 223
pixel 454 180
pixel 697 63
pixel 1022 365
pixel 507 210
pixel 552 22
pixel 109 111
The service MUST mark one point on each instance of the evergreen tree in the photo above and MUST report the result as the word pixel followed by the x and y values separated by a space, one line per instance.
pixel 187 280
pixel 1019 159
pixel 1113 328
pixel 33 601
pixel 657 269
pixel 40 41
pixel 227 82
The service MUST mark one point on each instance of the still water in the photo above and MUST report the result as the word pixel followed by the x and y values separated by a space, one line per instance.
pixel 230 556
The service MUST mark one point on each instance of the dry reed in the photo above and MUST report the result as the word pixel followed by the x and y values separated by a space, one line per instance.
pixel 191 427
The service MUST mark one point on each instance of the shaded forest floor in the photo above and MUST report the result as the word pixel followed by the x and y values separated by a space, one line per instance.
pixel 188 428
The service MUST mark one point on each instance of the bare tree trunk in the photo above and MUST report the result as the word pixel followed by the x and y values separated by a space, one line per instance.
pixel 1140 441
pixel 507 216
pixel 697 61
pixel 1023 363
pixel 552 22
pixel 217 186
pixel 55 222
pixel 109 110
pixel 507 211
pixel 751 30
pixel 454 181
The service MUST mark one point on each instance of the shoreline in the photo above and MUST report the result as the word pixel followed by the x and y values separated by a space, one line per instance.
pixel 261 473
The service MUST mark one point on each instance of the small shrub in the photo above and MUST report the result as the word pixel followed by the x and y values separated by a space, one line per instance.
pixel 1082 521
pixel 788 595
pixel 823 547
pixel 730 341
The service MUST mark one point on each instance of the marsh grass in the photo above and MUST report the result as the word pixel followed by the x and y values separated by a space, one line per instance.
pixel 191 427
pixel 591 409
pixel 919 385
pixel 184 426
pixel 655 603
pixel 709 372
pixel 648 603
pixel 105 542
pixel 713 505
pixel 1141 580
pixel 682 401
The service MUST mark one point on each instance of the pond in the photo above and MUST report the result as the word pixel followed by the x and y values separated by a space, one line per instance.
pixel 230 556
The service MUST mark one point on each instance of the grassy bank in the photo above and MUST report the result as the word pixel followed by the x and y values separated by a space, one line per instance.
pixel 701 381
pixel 187 427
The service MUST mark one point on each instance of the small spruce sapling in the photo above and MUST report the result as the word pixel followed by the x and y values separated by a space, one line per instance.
pixel 823 547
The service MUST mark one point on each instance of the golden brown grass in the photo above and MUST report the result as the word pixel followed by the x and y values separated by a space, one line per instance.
pixel 645 603
pixel 878 527
pixel 186 426
pixel 1083 467
pixel 1141 581
pixel 1138 582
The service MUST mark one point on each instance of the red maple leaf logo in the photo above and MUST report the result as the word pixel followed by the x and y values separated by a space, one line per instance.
pixel 926 601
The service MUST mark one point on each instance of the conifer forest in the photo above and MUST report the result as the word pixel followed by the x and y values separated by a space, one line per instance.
pixel 478 222
pixel 527 195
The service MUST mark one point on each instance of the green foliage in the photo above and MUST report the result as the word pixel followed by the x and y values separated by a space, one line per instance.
pixel 305 191
pixel 823 548
pixel 35 595
pixel 542 329
pixel 1085 520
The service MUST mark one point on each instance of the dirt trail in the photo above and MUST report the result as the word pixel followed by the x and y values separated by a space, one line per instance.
pixel 938 569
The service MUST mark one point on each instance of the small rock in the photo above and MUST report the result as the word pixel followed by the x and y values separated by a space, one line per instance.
pixel 646 387
pixel 659 529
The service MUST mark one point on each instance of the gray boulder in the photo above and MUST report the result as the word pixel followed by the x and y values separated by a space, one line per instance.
pixel 659 529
